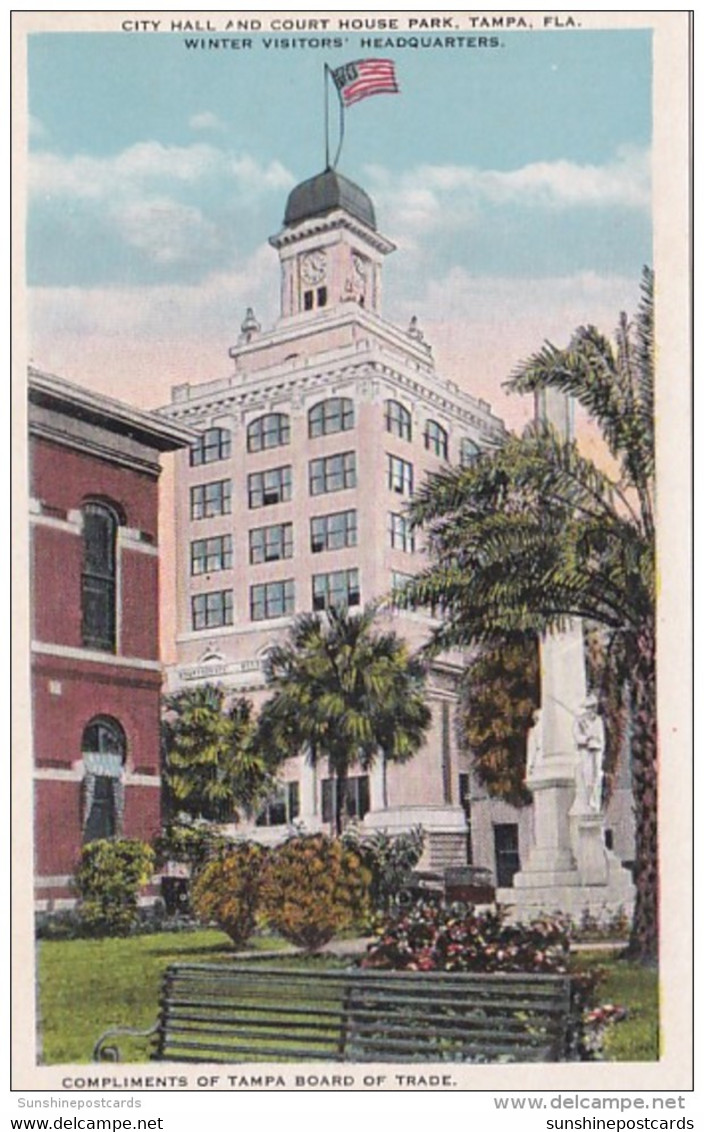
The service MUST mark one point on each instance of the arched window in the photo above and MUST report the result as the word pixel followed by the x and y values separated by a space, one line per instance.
pixel 213 444
pixel 435 438
pixel 334 415
pixel 104 749
pixel 398 420
pixel 469 450
pixel 270 431
pixel 98 592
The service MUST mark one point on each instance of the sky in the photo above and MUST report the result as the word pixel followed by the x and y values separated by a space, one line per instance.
pixel 515 182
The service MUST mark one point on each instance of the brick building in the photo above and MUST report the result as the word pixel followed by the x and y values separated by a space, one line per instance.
pixel 96 673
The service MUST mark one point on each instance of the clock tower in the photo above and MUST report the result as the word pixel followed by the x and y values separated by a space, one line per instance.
pixel 329 248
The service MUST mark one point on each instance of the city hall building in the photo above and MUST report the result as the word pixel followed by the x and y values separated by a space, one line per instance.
pixel 294 498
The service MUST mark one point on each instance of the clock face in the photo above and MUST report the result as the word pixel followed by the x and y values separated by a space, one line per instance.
pixel 313 267
pixel 359 266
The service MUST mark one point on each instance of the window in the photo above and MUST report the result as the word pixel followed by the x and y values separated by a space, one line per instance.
pixel 333 532
pixel 270 431
pixel 308 297
pixel 275 599
pixel 269 544
pixel 341 587
pixel 401 535
pixel 469 451
pixel 332 473
pixel 210 499
pixel 334 415
pixel 213 444
pixel 103 748
pixel 435 438
pixel 211 610
pixel 283 807
pixel 211 554
pixel 398 581
pixel 272 486
pixel 356 803
pixel 98 593
pixel 508 861
pixel 399 475
pixel 322 296
pixel 466 804
pixel 398 420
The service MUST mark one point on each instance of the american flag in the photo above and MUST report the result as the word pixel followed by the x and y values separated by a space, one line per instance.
pixel 358 80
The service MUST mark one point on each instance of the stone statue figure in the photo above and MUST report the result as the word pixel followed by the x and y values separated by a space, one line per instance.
pixel 590 739
pixel 534 743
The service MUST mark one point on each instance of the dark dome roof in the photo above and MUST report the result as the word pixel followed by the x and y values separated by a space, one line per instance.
pixel 325 192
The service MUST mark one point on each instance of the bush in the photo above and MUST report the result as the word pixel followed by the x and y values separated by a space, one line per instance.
pixel 314 888
pixel 189 842
pixel 390 860
pixel 227 890
pixel 437 938
pixel 109 877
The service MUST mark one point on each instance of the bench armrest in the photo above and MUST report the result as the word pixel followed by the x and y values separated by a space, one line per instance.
pixel 102 1052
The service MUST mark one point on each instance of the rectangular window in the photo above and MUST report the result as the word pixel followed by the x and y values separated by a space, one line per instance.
pixel 333 473
pixel 211 554
pixel 333 532
pixel 211 610
pixel 274 599
pixel 466 804
pixel 283 807
pixel 401 536
pixel 508 861
pixel 341 587
pixel 399 475
pixel 269 544
pixel 272 486
pixel 356 803
pixel 209 499
pixel 307 300
pixel 322 296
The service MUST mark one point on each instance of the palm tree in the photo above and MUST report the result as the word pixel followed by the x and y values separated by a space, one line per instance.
pixel 533 534
pixel 210 767
pixel 346 692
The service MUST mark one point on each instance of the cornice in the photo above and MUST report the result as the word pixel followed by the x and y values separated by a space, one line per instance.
pixel 332 222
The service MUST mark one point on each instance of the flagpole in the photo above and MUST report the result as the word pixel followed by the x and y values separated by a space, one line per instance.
pixel 342 126
pixel 326 70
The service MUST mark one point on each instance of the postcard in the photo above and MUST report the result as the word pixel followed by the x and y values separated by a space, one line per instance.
pixel 352 459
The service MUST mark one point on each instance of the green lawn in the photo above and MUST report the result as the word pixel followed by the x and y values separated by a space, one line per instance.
pixel 636 988
pixel 87 986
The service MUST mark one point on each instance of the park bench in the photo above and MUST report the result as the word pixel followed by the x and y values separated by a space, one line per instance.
pixel 237 1013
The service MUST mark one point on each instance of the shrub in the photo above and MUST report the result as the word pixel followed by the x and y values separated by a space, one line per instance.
pixel 390 860
pixel 227 890
pixel 189 842
pixel 437 938
pixel 109 877
pixel 314 888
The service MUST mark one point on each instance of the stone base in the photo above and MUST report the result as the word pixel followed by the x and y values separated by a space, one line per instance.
pixel 445 830
pixel 600 900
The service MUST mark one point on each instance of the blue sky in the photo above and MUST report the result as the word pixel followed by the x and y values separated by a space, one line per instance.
pixel 515 181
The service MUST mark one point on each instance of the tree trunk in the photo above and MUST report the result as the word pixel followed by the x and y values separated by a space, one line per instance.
pixel 644 941
pixel 340 797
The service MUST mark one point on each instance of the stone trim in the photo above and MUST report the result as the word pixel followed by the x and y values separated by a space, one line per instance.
pixel 69 652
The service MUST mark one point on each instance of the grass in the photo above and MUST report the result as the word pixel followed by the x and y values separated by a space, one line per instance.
pixel 88 986
pixel 636 988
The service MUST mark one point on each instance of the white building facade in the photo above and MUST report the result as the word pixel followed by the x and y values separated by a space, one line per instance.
pixel 295 498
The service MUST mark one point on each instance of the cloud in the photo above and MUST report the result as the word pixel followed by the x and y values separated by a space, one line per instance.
pixel 167 232
pixel 446 196
pixel 145 165
pixel 205 121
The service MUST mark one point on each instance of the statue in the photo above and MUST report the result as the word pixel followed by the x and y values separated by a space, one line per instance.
pixel 590 739
pixel 534 743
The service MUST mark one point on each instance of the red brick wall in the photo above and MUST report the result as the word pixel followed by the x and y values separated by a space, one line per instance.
pixel 63 478
pixel 139 604
pixel 87 690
